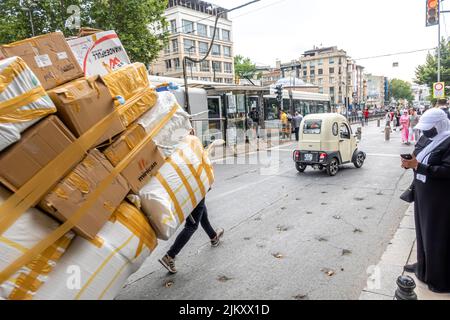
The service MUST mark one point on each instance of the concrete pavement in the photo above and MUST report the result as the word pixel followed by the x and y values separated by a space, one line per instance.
pixel 288 235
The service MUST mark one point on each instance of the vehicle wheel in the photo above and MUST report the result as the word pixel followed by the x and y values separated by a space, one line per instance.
pixel 359 162
pixel 300 167
pixel 333 167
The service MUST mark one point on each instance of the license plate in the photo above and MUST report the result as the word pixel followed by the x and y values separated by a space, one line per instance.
pixel 308 157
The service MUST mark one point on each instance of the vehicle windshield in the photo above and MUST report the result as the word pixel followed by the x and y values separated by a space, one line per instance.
pixel 312 127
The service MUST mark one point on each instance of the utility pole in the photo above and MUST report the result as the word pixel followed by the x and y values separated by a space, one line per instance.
pixel 439 42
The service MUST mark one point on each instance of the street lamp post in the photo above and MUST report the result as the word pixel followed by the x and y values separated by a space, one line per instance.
pixel 29 9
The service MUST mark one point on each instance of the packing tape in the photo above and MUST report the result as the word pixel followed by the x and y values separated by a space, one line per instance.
pixel 185 182
pixel 10 114
pixel 82 210
pixel 8 74
pixel 193 172
pixel 172 196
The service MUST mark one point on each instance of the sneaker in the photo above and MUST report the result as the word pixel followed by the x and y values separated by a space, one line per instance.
pixel 216 241
pixel 168 263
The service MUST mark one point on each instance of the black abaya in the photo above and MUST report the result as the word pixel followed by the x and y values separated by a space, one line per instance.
pixel 432 215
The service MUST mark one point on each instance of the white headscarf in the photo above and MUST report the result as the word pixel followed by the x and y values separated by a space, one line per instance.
pixel 433 118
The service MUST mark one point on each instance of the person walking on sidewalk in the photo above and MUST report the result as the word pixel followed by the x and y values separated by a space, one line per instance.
pixel 404 121
pixel 297 120
pixel 254 116
pixel 361 117
pixel 431 165
pixel 366 116
pixel 200 216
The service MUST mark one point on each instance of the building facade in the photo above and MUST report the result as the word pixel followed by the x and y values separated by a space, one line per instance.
pixel 191 27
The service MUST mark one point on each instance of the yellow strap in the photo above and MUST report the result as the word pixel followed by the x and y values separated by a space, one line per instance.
pixel 113 280
pixel 200 155
pixel 185 182
pixel 194 173
pixel 172 196
pixel 83 209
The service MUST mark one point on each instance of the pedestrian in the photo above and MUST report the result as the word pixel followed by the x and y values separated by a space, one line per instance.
pixel 366 116
pixel 404 122
pixel 397 116
pixel 284 125
pixel 360 117
pixel 254 116
pixel 443 104
pixel 200 216
pixel 431 165
pixel 414 134
pixel 297 120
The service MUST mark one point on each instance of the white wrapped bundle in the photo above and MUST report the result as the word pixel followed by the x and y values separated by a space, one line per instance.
pixel 32 227
pixel 178 127
pixel 23 101
pixel 181 183
pixel 97 270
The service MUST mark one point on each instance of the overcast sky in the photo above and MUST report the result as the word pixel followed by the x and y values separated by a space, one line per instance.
pixel 284 29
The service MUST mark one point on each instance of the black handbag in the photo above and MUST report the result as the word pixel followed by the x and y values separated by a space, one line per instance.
pixel 408 195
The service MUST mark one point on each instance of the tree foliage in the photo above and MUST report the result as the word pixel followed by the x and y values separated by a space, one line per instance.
pixel 139 23
pixel 401 90
pixel 244 67
pixel 426 74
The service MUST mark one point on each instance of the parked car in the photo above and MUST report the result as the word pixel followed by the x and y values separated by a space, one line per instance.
pixel 327 142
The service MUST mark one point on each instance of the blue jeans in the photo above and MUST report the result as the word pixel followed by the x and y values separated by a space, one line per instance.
pixel 200 215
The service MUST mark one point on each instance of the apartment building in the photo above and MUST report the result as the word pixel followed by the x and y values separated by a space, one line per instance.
pixel 191 26
pixel 335 73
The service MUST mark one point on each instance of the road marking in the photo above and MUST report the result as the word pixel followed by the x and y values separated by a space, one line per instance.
pixel 386 155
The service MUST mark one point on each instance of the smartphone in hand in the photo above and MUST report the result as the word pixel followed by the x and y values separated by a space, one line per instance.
pixel 406 156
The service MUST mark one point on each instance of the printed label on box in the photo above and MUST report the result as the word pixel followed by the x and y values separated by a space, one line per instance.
pixel 43 61
pixel 62 55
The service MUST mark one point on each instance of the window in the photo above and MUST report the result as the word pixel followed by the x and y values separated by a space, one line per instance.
pixel 216 50
pixel 202 30
pixel 217 66
pixel 173 26
pixel 226 35
pixel 205 79
pixel 312 72
pixel 320 90
pixel 332 60
pixel 211 32
pixel 205 66
pixel 176 63
pixel 228 67
pixel 203 47
pixel 189 46
pixel 219 80
pixel 228 80
pixel 320 71
pixel 332 80
pixel 320 62
pixel 345 131
pixel 168 64
pixel 312 127
pixel 227 51
pixel 319 82
pixel 335 129
pixel 167 49
pixel 188 26
pixel 305 73
pixel 331 70
pixel 175 45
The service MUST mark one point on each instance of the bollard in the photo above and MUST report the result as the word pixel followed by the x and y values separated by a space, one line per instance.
pixel 378 123
pixel 387 133
pixel 405 290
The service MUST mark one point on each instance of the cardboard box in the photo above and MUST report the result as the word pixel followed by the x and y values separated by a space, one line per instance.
pixel 39 145
pixel 83 103
pixel 76 187
pixel 100 53
pixel 144 164
pixel 49 56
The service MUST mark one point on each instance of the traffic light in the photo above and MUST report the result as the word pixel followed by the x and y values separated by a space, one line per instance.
pixel 279 93
pixel 432 12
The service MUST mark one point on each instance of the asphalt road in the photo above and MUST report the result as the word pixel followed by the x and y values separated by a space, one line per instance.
pixel 288 235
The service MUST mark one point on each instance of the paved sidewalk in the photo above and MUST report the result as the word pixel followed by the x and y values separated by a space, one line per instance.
pixel 402 250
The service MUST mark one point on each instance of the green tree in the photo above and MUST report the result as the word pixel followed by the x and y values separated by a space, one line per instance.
pixel 401 90
pixel 426 74
pixel 244 67
pixel 132 20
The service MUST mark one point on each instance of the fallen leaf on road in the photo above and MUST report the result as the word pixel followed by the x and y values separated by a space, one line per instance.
pixel 322 239
pixel 337 217
pixel 359 199
pixel 324 203
pixel 260 246
pixel 309 212
pixel 301 297
pixel 278 255
pixel 247 239
pixel 223 279
pixel 357 230
pixel 369 208
pixel 346 252
pixel 282 228
pixel 328 272
pixel 298 199
pixel 283 208
pixel 168 284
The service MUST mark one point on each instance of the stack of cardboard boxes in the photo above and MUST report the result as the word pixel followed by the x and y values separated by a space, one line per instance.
pixel 73 146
